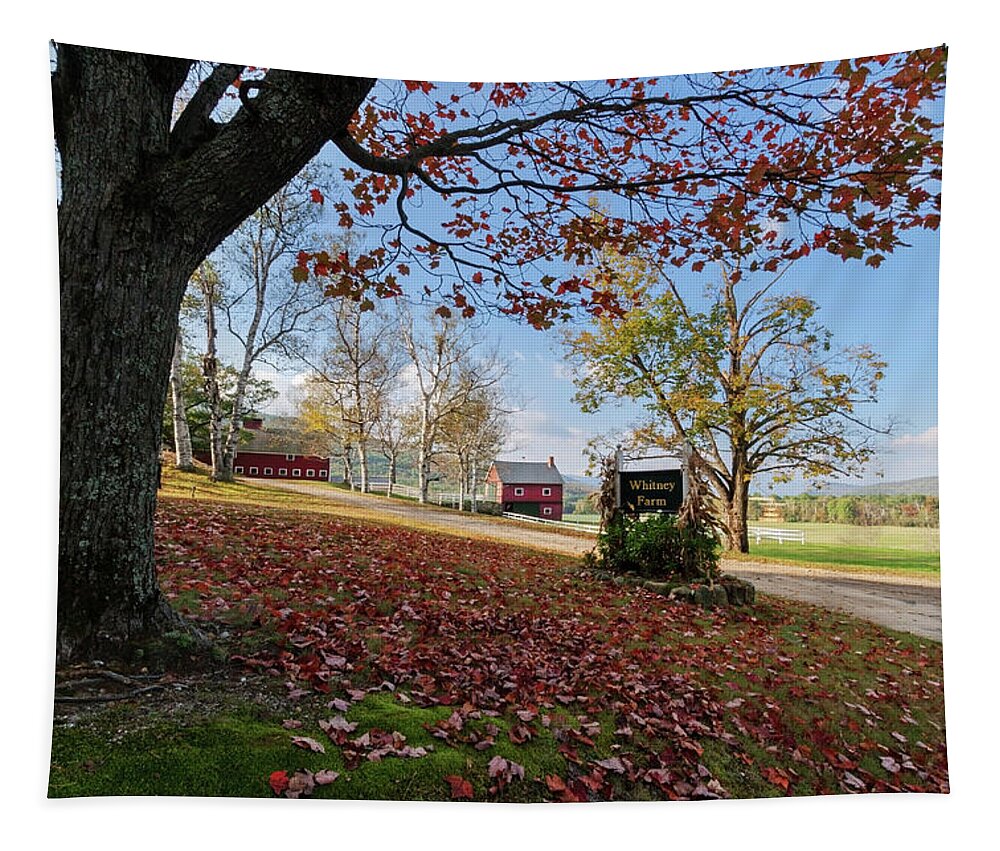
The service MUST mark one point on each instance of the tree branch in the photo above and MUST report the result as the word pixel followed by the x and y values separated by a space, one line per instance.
pixel 195 125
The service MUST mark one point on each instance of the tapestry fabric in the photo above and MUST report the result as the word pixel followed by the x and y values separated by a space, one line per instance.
pixel 500 442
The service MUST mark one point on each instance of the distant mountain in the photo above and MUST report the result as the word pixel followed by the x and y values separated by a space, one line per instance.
pixel 589 481
pixel 924 486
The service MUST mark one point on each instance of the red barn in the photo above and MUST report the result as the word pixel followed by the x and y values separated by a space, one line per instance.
pixel 527 487
pixel 274 455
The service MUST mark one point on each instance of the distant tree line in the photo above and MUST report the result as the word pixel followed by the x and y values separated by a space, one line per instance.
pixel 868 510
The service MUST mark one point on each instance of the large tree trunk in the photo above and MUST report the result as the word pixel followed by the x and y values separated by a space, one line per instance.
pixel 183 454
pixel 737 505
pixel 139 210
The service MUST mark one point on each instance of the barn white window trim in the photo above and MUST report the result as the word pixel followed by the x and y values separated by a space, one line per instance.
pixel 310 473
pixel 289 457
pixel 546 491
pixel 282 471
pixel 518 491
pixel 296 473
pixel 547 509
pixel 238 470
pixel 253 471
pixel 322 474
pixel 269 471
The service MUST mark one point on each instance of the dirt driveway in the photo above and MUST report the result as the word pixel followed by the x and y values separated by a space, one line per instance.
pixel 908 603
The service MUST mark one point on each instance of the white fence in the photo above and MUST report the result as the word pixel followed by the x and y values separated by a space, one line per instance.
pixel 779 535
pixel 442 498
pixel 590 529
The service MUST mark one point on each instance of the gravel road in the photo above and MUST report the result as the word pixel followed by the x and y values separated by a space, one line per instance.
pixel 908 603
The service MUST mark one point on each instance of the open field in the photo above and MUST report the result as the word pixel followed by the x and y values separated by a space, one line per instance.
pixel 913 538
pixel 891 548
pixel 414 665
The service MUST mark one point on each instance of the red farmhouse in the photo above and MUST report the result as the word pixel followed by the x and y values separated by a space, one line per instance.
pixel 524 487
pixel 274 455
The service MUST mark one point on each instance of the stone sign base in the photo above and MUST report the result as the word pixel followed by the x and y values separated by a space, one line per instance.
pixel 728 590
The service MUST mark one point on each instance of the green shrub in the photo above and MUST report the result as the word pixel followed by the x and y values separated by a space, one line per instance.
pixel 657 547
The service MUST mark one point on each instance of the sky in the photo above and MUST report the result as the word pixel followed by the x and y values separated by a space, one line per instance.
pixel 541 42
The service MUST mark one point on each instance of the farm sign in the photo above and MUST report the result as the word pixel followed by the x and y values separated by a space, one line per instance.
pixel 651 490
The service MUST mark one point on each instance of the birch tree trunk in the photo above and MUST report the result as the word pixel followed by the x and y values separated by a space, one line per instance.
pixel 210 369
pixel 392 474
pixel 228 454
pixel 184 456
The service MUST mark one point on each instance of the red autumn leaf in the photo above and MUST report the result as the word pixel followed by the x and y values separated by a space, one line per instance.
pixel 460 787
pixel 776 776
pixel 278 781
pixel 316 196
pixel 519 734
pixel 555 783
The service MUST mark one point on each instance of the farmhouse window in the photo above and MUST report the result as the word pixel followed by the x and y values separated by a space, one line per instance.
pixel 546 491
pixel 269 471
pixel 253 471
pixel 296 472
pixel 518 491
pixel 282 471
pixel 311 474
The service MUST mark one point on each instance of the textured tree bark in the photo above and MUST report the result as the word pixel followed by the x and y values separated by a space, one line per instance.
pixel 139 210
pixel 184 455
pixel 737 503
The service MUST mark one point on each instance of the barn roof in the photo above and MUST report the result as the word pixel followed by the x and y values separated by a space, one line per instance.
pixel 527 473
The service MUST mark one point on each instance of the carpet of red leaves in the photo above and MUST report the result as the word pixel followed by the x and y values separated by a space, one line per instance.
pixel 532 638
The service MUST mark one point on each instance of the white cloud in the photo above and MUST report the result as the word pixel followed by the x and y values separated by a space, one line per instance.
pixel 926 440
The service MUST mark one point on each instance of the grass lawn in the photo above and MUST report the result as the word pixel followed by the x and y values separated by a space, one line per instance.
pixel 384 662
pixel 893 548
